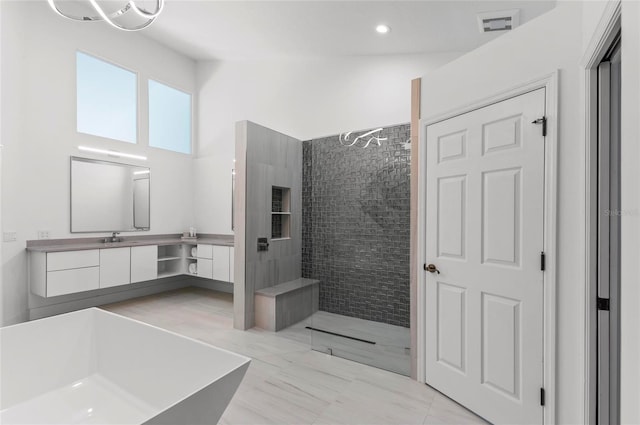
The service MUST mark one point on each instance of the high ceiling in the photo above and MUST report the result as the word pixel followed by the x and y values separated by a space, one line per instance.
pixel 210 29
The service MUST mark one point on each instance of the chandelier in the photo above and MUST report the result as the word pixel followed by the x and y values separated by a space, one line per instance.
pixel 120 18
pixel 348 139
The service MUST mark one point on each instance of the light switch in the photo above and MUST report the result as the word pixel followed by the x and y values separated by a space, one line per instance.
pixel 263 244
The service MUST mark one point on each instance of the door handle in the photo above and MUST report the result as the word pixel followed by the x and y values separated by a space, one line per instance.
pixel 431 268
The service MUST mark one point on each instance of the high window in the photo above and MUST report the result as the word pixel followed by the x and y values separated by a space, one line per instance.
pixel 107 99
pixel 169 118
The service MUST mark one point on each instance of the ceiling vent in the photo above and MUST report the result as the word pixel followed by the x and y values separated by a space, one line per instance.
pixel 502 20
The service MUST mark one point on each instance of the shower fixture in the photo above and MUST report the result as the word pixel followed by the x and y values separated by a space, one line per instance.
pixel 119 18
pixel 373 135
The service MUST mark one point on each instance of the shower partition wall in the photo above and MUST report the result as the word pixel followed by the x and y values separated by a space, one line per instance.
pixel 355 240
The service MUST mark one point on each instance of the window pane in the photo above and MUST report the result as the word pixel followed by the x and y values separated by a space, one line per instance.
pixel 107 99
pixel 169 118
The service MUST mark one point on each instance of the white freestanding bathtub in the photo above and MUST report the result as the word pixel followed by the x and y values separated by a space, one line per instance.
pixel 96 367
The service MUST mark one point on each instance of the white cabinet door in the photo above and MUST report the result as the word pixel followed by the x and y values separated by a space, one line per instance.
pixel 221 263
pixel 144 263
pixel 115 267
pixel 205 268
pixel 231 264
pixel 73 280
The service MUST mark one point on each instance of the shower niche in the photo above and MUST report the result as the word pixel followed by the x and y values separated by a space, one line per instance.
pixel 280 213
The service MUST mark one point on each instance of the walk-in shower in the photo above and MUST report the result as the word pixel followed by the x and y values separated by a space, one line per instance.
pixel 355 240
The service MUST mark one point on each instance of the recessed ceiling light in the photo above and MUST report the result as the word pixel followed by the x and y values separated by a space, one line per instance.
pixel 383 29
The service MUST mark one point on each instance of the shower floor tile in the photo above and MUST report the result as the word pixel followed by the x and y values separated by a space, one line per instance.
pixel 387 346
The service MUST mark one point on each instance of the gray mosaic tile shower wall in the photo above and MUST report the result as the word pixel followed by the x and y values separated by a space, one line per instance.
pixel 355 225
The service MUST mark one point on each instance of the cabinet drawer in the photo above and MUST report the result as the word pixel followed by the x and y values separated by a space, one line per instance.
pixel 205 268
pixel 72 259
pixel 205 251
pixel 75 280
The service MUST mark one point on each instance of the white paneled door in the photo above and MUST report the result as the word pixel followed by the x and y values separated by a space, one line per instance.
pixel 484 238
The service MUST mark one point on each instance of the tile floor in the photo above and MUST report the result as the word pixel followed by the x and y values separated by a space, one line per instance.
pixel 287 383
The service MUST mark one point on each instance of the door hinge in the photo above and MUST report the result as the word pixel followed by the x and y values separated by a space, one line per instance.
pixel 542 121
pixel 542 397
pixel 542 261
pixel 603 304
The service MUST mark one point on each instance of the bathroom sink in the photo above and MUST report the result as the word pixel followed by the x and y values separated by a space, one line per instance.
pixel 112 240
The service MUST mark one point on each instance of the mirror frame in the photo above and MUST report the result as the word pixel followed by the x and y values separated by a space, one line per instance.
pixel 98 161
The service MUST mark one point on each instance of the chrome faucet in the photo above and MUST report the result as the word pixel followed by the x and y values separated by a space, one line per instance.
pixel 114 238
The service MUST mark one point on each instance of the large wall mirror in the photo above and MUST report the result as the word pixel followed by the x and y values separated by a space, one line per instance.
pixel 108 196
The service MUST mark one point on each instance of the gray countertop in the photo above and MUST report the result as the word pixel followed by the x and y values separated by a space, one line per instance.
pixel 79 244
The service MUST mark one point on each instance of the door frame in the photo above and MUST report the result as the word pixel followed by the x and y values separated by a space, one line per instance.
pixel 604 35
pixel 550 83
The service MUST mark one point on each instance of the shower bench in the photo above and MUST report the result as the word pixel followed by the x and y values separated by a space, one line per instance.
pixel 280 306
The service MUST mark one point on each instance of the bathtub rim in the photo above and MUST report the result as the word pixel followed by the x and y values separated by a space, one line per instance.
pixel 243 361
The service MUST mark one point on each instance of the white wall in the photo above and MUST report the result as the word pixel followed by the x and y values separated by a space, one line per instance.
pixel 548 43
pixel 1 108
pixel 38 130
pixel 630 273
pixel 304 99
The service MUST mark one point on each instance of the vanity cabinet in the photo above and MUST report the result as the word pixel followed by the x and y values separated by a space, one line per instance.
pixel 204 251
pixel 204 255
pixel 115 267
pixel 67 272
pixel 72 260
pixel 215 262
pixel 63 282
pixel 170 260
pixel 59 273
pixel 221 263
pixel 144 263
